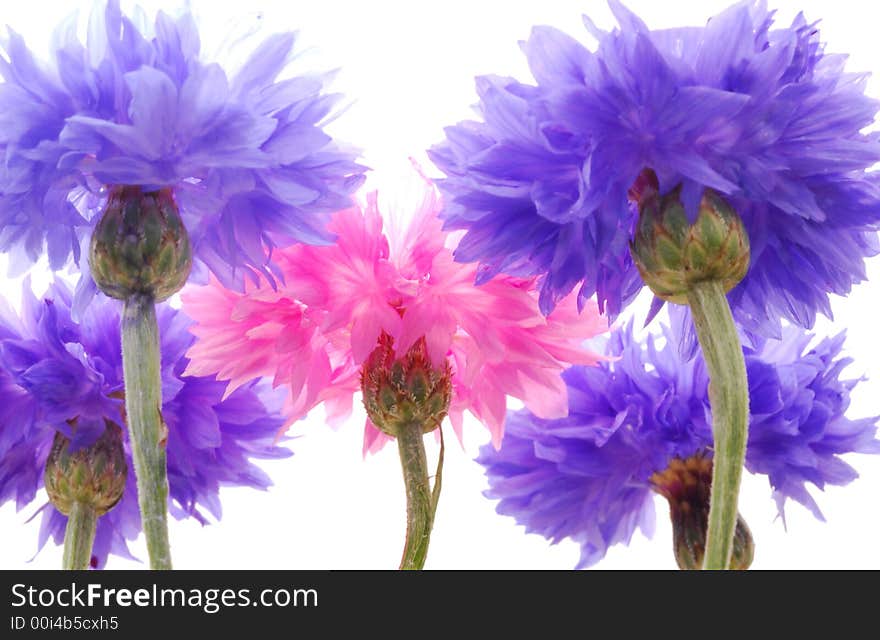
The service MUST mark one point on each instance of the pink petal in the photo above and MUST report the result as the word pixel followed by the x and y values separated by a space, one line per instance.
pixel 311 334
pixel 374 439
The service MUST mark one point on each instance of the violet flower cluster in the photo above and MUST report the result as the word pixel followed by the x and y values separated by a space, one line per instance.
pixel 55 372
pixel 762 114
pixel 246 155
pixel 587 477
pixel 305 286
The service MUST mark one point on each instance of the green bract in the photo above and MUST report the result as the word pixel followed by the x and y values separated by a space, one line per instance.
pixel 686 485
pixel 671 254
pixel 140 245
pixel 404 391
pixel 93 476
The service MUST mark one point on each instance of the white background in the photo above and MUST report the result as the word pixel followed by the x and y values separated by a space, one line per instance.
pixel 408 68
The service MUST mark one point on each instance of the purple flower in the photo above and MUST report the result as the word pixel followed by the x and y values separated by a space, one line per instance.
pixel 762 115
pixel 246 156
pixel 591 476
pixel 54 370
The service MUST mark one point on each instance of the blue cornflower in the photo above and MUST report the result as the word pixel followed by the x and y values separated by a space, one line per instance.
pixel 761 115
pixel 640 423
pixel 60 375
pixel 245 155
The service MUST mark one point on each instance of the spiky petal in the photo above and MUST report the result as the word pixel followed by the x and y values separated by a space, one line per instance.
pixel 62 376
pixel 313 333
pixel 760 114
pixel 138 104
pixel 591 476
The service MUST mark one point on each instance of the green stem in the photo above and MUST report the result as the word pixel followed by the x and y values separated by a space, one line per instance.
pixel 419 500
pixel 438 477
pixel 82 523
pixel 729 399
pixel 141 361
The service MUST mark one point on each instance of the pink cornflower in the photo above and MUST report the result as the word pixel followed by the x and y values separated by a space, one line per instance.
pixel 313 333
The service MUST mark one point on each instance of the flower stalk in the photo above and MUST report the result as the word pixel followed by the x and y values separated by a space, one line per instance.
pixel 141 362
pixel 406 397
pixel 140 253
pixel 729 399
pixel 697 264
pixel 419 499
pixel 79 536
pixel 84 483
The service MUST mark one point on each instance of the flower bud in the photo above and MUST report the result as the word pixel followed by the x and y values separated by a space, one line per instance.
pixel 94 476
pixel 140 245
pixel 406 390
pixel 671 254
pixel 686 484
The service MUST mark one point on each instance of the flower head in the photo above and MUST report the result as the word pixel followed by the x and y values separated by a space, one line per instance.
pixel 59 376
pixel 761 115
pixel 638 422
pixel 314 333
pixel 245 155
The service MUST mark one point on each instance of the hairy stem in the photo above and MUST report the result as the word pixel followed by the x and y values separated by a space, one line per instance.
pixel 729 399
pixel 82 523
pixel 420 502
pixel 141 359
